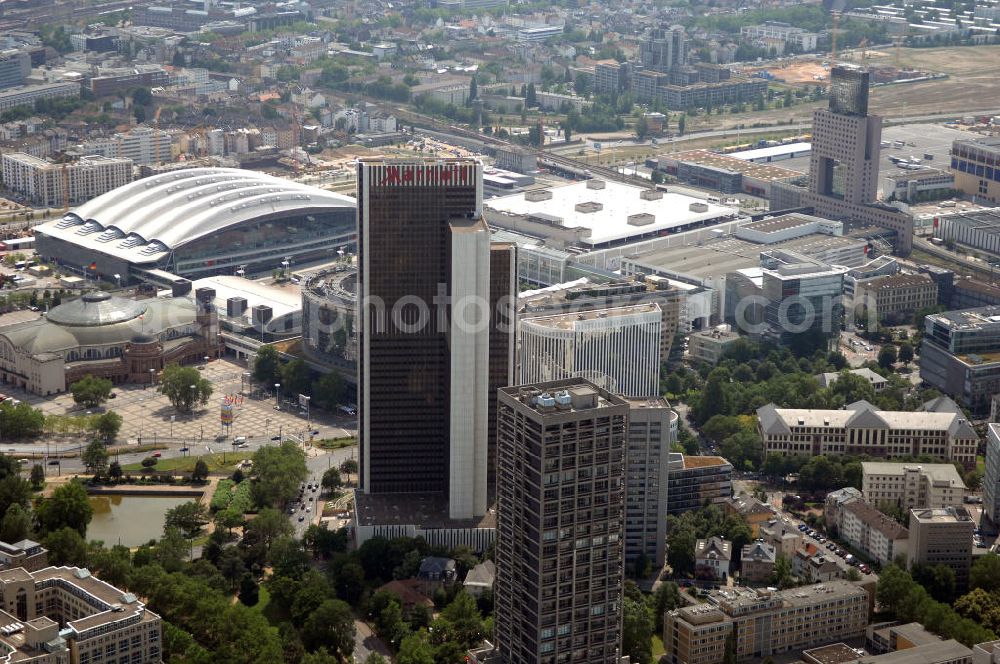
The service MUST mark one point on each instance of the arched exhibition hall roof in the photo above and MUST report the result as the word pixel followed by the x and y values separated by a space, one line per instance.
pixel 144 220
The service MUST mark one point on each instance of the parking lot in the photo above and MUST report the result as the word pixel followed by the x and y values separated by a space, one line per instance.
pixel 918 140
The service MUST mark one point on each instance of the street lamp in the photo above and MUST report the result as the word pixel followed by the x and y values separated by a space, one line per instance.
pixel 194 392
pixel 277 396
pixel 152 377
pixel 307 399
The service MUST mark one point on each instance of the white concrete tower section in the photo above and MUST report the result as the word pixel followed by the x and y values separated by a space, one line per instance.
pixel 469 340
pixel 618 348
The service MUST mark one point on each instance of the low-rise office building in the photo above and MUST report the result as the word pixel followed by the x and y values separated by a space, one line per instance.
pixel 696 481
pixel 64 615
pixel 894 299
pixel 30 555
pixel 942 536
pixel 877 381
pixel 910 485
pixel 710 345
pixel 973 163
pixel 766 622
pixel 862 429
pixel 960 355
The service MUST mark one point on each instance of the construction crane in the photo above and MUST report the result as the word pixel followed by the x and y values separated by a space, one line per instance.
pixel 833 38
pixel 863 46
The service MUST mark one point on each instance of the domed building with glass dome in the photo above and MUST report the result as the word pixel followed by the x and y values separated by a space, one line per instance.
pixel 105 335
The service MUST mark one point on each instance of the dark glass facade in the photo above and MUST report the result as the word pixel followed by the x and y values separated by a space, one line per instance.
pixel 404 209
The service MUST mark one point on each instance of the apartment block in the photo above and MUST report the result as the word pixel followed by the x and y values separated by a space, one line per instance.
pixel 651 431
pixel 894 299
pixel 775 30
pixel 782 535
pixel 958 355
pixel 45 183
pixel 862 429
pixel 910 485
pixel 143 145
pixel 766 622
pixel 696 481
pixel 65 615
pixel 757 562
pixel 942 536
pixel 862 526
pixel 560 563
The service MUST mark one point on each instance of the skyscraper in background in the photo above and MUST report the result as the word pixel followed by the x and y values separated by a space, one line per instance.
pixel 846 140
pixel 429 285
pixel 560 563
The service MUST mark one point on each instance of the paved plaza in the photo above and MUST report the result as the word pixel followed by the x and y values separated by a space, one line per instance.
pixel 149 417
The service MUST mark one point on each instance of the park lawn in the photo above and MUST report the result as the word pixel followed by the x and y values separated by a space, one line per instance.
pixel 263 599
pixel 658 649
pixel 186 464
pixel 335 443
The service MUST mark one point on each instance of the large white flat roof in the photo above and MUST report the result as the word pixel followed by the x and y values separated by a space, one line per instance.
pixel 283 301
pixel 773 151
pixel 619 201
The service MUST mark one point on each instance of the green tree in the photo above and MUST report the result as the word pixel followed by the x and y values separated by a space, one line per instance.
pixel 905 352
pixel 782 575
pixel 893 585
pixel 641 128
pixel 985 572
pixel 667 598
pixel 95 457
pixel 16 524
pixel 416 649
pixel 66 547
pixel 349 467
pixel 266 366
pixel 184 387
pixel 108 425
pixel 296 378
pixel 20 421
pixel 473 89
pixel 188 517
pixel 530 98
pixel 249 593
pixel 200 472
pixel 142 96
pixel 278 472
pixel 37 478
pixel 91 391
pixel 329 390
pixel 115 471
pixel 68 507
pixel 637 631
pixel 887 356
pixel 270 524
pixel 680 124
pixel 330 626
pixel 331 480
pixel 680 551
